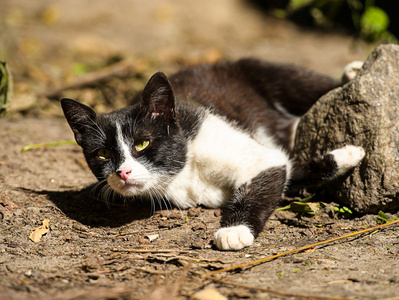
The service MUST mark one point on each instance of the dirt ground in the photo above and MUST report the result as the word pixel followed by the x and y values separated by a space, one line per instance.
pixel 102 250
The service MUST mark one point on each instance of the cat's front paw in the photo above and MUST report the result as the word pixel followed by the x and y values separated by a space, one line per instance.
pixel 347 158
pixel 234 237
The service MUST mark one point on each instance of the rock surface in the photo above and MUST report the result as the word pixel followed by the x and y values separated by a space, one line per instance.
pixel 364 112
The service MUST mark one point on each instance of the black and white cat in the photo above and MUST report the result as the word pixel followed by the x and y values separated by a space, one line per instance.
pixel 217 135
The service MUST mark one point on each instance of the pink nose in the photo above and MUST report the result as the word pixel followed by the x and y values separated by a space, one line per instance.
pixel 124 174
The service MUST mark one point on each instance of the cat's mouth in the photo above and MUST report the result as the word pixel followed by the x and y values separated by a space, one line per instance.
pixel 126 187
pixel 134 186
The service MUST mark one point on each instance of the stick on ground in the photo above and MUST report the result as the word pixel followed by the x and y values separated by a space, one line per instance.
pixel 262 260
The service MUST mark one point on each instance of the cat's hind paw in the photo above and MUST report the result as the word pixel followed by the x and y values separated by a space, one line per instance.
pixel 347 158
pixel 351 70
pixel 234 237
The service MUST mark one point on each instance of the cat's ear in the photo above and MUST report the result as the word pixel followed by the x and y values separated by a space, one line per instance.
pixel 158 99
pixel 79 117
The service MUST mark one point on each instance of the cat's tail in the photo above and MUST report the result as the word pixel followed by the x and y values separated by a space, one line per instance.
pixel 323 168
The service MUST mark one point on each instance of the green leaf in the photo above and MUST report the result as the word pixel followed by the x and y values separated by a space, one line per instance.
pixel 342 210
pixel 374 21
pixel 52 144
pixel 308 208
pixel 5 88
pixel 307 199
pixel 382 217
pixel 347 209
pixel 288 207
pixel 296 4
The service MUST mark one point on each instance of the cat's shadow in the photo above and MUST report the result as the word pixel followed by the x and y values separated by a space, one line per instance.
pixel 87 208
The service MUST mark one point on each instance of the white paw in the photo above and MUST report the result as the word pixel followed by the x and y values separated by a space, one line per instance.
pixel 350 70
pixel 347 158
pixel 234 238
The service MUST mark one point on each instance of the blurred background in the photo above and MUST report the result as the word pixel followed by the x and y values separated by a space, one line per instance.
pixel 102 52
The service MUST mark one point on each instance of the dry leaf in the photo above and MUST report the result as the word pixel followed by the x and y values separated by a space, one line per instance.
pixel 37 233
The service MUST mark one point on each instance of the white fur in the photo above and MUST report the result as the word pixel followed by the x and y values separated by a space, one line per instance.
pixel 220 158
pixel 139 181
pixel 278 106
pixel 234 237
pixel 294 128
pixel 351 70
pixel 263 138
pixel 347 158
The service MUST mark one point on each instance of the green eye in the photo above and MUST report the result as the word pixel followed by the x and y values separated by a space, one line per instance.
pixel 104 153
pixel 142 145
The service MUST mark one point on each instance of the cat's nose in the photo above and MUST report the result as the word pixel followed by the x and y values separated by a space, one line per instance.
pixel 124 173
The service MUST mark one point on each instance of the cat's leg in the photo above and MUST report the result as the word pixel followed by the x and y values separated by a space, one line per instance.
pixel 323 168
pixel 253 203
pixel 244 217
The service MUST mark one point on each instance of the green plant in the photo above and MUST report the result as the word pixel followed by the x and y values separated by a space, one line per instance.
pixel 302 206
pixel 382 218
pixel 364 17
pixel 342 210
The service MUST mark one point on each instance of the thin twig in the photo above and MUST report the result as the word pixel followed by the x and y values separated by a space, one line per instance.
pixel 121 69
pixel 262 260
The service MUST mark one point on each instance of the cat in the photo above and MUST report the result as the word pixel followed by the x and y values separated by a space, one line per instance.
pixel 218 135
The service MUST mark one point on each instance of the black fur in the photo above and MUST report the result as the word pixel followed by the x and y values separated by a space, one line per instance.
pixel 93 132
pixel 250 91
pixel 253 203
pixel 168 114
pixel 312 173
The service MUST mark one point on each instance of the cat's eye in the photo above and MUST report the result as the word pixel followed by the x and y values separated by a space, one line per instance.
pixel 104 153
pixel 142 145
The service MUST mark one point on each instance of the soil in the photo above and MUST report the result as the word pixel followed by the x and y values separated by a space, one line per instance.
pixel 136 250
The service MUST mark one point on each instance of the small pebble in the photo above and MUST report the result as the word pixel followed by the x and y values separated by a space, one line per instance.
pixel 144 241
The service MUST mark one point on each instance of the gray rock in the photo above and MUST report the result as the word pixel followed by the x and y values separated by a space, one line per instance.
pixel 364 112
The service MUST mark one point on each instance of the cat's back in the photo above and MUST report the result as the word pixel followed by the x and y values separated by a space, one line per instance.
pixel 261 97
pixel 251 82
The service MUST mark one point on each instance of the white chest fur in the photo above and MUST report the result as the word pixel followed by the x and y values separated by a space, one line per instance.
pixel 220 159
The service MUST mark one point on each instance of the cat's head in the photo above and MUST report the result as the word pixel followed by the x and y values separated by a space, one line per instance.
pixel 137 149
